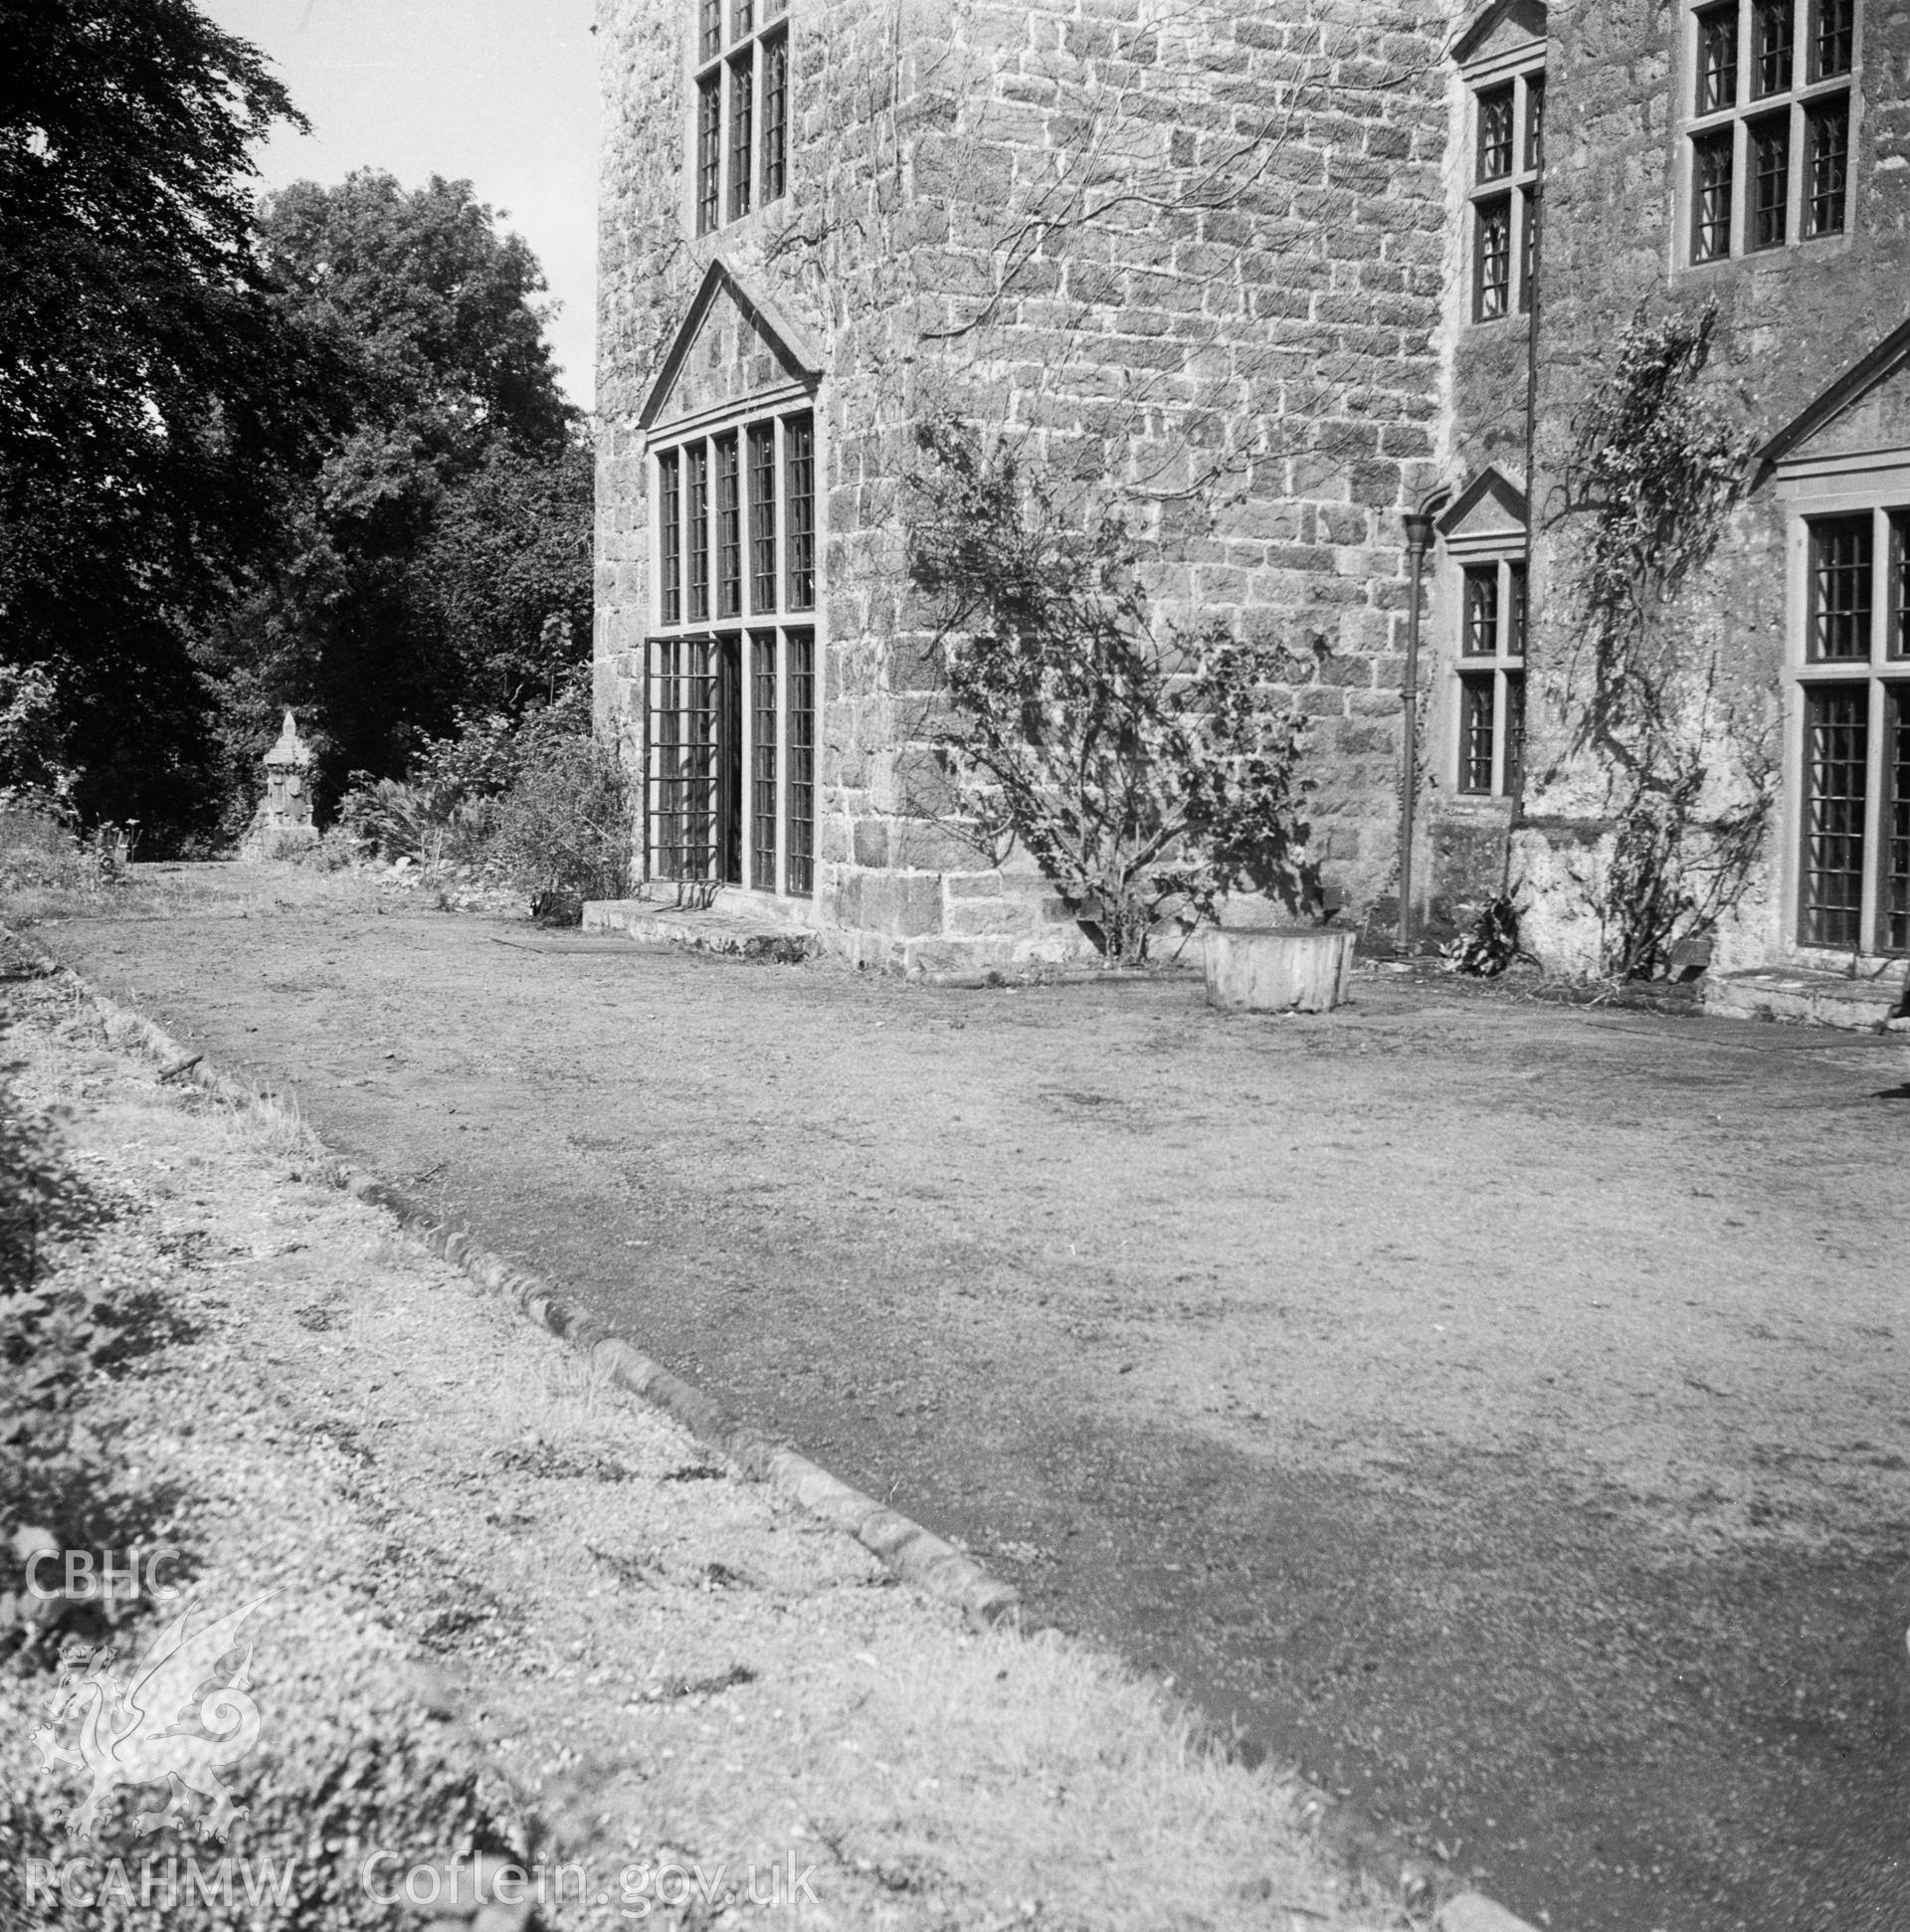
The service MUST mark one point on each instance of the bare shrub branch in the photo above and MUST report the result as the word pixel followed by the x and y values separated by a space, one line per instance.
pixel 1145 777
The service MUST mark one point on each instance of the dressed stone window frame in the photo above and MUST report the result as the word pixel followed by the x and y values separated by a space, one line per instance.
pixel 1485 668
pixel 1504 136
pixel 1846 846
pixel 740 100
pixel 733 656
pixel 1763 124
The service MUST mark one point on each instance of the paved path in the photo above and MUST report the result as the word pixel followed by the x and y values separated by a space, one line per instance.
pixel 1500 1406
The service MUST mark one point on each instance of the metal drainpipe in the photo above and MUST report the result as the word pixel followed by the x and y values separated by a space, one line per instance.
pixel 1419 538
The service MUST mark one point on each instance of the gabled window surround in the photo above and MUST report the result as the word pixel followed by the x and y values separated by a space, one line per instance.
pixel 731 668
pixel 1484 621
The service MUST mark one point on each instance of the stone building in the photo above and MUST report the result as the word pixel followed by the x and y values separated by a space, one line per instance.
pixel 1272 270
pixel 1749 163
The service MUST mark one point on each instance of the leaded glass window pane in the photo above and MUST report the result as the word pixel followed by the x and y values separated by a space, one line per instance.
pixel 1475 733
pixel 1837 750
pixel 1495 133
pixel 1718 58
pixel 709 152
pixel 696 484
pixel 1711 196
pixel 1828 124
pixel 762 518
pixel 800 438
pixel 743 134
pixel 774 117
pixel 1840 588
pixel 1770 179
pixel 1481 638
pixel 730 529
pixel 1772 47
pixel 802 762
pixel 670 525
pixel 1833 40
pixel 1493 266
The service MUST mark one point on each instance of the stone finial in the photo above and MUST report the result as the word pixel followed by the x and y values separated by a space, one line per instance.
pixel 291 749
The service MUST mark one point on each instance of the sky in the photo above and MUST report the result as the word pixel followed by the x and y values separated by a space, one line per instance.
pixel 499 92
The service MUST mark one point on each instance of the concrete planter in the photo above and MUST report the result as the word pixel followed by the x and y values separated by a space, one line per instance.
pixel 1261 969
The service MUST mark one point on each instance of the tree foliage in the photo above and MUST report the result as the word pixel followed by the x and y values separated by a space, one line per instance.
pixel 436 558
pixel 1143 776
pixel 437 312
pixel 152 390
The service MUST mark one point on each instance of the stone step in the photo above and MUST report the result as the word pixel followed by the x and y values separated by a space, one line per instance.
pixel 713 931
pixel 1808 997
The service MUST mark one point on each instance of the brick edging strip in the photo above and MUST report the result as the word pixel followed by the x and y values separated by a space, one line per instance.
pixel 915 1554
pixel 912 1552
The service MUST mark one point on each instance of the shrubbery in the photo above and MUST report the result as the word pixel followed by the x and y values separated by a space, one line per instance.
pixel 366 1772
pixel 42 848
pixel 1148 773
pixel 538 804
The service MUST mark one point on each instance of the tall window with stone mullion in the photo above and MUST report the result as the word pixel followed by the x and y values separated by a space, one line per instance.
pixel 731 672
pixel 1853 674
pixel 1767 123
pixel 1491 678
pixel 1507 106
pixel 741 109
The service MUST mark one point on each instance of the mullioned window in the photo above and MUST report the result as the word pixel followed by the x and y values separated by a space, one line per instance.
pixel 740 140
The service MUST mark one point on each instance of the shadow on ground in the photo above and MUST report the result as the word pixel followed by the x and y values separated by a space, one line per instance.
pixel 1495 1406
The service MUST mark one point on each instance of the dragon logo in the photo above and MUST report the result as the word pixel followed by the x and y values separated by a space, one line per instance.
pixel 179 1717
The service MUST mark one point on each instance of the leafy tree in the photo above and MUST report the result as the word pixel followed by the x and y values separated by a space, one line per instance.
pixel 448 525
pixel 437 311
pixel 1145 776
pixel 153 392
pixel 505 574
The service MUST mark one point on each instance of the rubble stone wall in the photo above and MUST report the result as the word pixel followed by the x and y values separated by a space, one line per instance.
pixel 1790 321
pixel 1194 257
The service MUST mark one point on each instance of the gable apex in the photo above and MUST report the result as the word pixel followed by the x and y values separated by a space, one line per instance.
pixel 1861 411
pixel 1524 17
pixel 1490 505
pixel 787 343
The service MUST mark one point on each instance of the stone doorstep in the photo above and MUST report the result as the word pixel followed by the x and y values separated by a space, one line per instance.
pixel 714 932
pixel 1802 996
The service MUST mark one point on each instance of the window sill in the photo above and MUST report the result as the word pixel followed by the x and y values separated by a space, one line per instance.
pixel 743 227
pixel 1767 261
pixel 1863 968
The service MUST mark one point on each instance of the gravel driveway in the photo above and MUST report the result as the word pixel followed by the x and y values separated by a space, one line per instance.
pixel 1496 1405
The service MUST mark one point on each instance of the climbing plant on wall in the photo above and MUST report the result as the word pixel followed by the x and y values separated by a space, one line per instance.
pixel 1654 469
pixel 1147 773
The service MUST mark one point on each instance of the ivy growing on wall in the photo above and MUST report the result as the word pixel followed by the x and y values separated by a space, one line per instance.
pixel 1655 467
